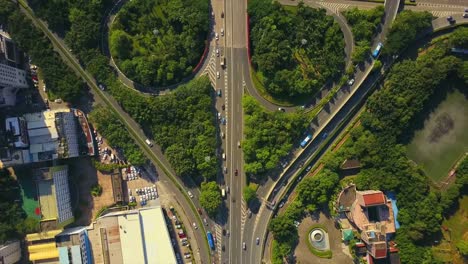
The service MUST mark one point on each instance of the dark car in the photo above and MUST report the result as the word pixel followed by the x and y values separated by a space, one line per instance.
pixel 223 107
pixel 199 211
pixel 236 172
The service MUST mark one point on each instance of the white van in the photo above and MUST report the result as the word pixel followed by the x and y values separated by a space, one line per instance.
pixel 148 142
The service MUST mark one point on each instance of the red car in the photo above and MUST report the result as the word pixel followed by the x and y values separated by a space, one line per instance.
pixel 236 172
pixel 199 211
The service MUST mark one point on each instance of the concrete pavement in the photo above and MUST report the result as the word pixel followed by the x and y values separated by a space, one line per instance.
pixel 133 128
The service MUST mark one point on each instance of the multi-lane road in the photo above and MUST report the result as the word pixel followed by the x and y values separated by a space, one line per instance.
pixel 233 81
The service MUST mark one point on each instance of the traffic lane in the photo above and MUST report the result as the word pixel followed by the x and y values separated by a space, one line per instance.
pixel 239 12
pixel 442 2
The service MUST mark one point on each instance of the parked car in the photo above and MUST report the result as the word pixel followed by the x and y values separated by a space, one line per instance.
pixel 351 82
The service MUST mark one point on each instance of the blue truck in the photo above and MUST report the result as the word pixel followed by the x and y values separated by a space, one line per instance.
pixel 209 236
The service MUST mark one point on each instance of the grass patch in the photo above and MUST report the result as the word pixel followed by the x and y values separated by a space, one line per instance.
pixel 443 139
pixel 254 186
pixel 257 81
pixel 319 253
pixel 291 8
pixel 457 230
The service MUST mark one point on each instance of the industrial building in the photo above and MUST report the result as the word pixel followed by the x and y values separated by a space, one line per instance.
pixel 135 236
pixel 10 252
pixel 48 135
pixel 54 195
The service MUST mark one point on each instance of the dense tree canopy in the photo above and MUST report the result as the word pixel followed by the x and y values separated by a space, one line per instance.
pixel 116 134
pixel 364 25
pixel 294 53
pixel 159 42
pixel 210 197
pixel 269 136
pixel 405 29
pixel 283 229
pixel 61 81
pixel 316 191
pixel 13 220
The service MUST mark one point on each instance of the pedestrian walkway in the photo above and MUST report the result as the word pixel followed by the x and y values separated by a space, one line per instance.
pixel 335 7
pixel 219 240
pixel 439 6
pixel 210 69
pixel 442 13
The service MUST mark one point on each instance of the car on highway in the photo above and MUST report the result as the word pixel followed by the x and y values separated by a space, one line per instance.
pixel 223 107
pixel 219 92
pixel 223 121
pixel 222 32
pixel 281 204
pixel 224 156
pixel 225 169
pixel 195 225
pixel 199 210
pixel 217 75
pixel 205 221
pixel 222 135
pixel 465 15
pixel 222 14
pixel 450 19
pixel 258 241
pixel 227 189
pixel 351 82
pixel 217 52
pixel 216 36
pixel 190 194
pixel 249 213
pixel 244 246
pixel 236 172
pixel 308 168
pixel 238 144
pixel 223 248
pixel 324 135
pixel 219 116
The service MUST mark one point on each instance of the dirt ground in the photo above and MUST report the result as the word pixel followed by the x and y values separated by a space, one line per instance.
pixel 83 177
pixel 340 251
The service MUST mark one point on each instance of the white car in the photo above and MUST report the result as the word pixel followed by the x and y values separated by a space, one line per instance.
pixel 222 31
pixel 217 74
pixel 351 82
pixel 190 194
pixel 244 247
pixel 217 52
pixel 216 36
pixel 195 225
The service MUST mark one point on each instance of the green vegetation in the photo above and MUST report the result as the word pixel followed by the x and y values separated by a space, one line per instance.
pixel 61 81
pixel 284 232
pixel 159 42
pixel 269 136
pixel 96 190
pixel 405 29
pixel 295 52
pixel 182 123
pixel 210 197
pixel 316 191
pixel 13 220
pixel 249 194
pixel 107 167
pixel 319 253
pixel 115 133
pixel 364 25
pixel 443 138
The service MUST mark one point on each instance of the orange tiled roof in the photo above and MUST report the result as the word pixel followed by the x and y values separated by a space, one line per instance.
pixel 373 199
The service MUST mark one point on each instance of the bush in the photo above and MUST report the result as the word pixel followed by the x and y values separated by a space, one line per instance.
pixel 249 194
pixel 96 190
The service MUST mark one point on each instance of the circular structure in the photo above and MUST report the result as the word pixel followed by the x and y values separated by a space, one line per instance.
pixel 317 235
pixel 158 43
pixel 318 238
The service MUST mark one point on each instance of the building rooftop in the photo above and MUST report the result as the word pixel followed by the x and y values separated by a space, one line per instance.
pixel 370 198
pixel 136 236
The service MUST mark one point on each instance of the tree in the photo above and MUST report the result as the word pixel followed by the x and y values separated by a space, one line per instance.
pixel 249 194
pixel 210 197
pixel 291 57
pixel 283 229
pixel 462 247
pixel 121 44
pixel 405 29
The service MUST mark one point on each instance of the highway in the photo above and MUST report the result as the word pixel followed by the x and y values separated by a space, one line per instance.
pixel 154 154
pixel 332 115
